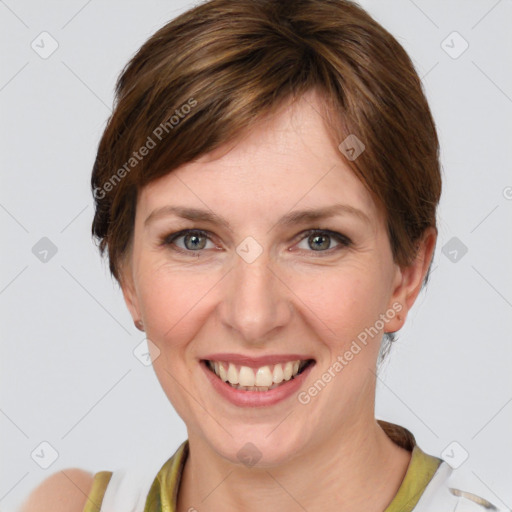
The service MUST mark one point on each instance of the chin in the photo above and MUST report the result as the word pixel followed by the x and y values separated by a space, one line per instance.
pixel 257 448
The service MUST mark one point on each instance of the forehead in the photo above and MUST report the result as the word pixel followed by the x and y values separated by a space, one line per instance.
pixel 286 161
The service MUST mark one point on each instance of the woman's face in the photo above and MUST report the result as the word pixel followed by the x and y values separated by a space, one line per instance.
pixel 253 287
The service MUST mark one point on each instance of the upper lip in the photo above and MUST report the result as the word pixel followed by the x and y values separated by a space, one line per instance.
pixel 256 362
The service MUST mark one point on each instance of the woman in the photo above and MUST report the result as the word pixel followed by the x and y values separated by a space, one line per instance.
pixel 266 189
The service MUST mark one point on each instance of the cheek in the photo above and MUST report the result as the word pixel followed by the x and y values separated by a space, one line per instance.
pixel 172 304
pixel 341 303
pixel 174 307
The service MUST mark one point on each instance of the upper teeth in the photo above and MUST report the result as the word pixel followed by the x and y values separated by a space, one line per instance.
pixel 264 376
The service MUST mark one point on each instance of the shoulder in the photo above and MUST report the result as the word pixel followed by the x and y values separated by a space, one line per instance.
pixel 452 489
pixel 64 491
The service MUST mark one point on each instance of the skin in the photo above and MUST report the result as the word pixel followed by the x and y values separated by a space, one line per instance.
pixel 64 491
pixel 291 299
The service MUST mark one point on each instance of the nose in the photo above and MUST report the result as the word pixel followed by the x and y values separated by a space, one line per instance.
pixel 256 305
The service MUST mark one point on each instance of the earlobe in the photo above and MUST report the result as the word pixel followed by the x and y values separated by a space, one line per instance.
pixel 409 280
pixel 130 296
pixel 139 325
pixel 397 303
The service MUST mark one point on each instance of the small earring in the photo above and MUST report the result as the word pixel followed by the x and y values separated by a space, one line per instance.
pixel 139 325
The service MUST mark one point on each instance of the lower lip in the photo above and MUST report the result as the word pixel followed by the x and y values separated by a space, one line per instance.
pixel 243 398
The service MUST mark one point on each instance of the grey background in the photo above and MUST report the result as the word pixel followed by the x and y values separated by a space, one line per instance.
pixel 69 376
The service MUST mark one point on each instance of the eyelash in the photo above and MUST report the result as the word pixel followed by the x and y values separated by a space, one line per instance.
pixel 343 240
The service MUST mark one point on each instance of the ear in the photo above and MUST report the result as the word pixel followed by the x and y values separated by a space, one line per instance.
pixel 127 283
pixel 409 280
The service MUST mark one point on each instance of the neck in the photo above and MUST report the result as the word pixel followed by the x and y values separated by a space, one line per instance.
pixel 360 469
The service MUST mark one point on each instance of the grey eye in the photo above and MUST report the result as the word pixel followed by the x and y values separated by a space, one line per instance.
pixel 194 241
pixel 319 242
pixel 323 241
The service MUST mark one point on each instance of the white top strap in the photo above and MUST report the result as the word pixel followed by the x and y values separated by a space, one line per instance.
pixel 436 496
pixel 128 489
pixel 450 490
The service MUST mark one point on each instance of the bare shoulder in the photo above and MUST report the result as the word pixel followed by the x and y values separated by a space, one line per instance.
pixel 64 491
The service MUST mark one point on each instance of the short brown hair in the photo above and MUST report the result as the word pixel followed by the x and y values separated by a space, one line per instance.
pixel 231 62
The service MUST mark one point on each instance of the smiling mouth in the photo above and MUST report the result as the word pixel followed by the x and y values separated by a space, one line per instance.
pixel 263 378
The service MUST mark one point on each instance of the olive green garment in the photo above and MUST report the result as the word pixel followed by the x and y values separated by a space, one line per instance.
pixel 163 493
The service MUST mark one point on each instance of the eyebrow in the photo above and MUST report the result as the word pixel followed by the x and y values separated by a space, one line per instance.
pixel 290 219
